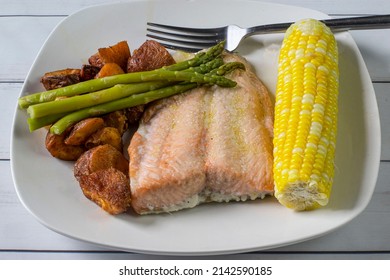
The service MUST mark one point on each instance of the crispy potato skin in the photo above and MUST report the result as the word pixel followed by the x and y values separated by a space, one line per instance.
pixel 102 173
pixel 118 54
pixel 56 146
pixel 105 135
pixel 109 188
pixel 98 158
pixel 117 119
pixel 82 130
pixel 91 132
pixel 61 78
pixel 88 72
pixel 134 114
pixel 109 69
pixel 149 56
pixel 95 60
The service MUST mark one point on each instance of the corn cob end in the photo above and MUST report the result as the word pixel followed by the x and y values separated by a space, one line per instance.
pixel 302 196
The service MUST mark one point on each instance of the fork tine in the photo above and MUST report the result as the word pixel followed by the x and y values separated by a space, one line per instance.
pixel 180 44
pixel 199 38
pixel 184 38
pixel 211 31
pixel 180 48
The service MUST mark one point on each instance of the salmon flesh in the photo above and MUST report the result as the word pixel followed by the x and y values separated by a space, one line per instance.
pixel 208 144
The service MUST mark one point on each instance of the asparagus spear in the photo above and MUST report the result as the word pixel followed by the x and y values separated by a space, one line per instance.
pixel 116 92
pixel 199 58
pixel 226 68
pixel 35 123
pixel 133 100
pixel 106 82
pixel 94 98
pixel 207 67
pixel 122 90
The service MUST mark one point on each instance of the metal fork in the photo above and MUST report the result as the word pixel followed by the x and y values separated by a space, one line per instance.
pixel 195 39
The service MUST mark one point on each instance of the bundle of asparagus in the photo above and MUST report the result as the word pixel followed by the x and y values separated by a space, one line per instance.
pixel 104 95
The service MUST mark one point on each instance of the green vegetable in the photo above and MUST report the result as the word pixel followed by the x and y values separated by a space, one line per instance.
pixel 105 95
pixel 226 68
pixel 131 101
pixel 106 82
pixel 94 98
pixel 136 99
pixel 37 123
pixel 123 90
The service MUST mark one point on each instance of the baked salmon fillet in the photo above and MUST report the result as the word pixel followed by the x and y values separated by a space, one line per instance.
pixel 208 144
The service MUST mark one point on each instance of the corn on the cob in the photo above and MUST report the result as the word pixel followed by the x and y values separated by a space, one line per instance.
pixel 306 116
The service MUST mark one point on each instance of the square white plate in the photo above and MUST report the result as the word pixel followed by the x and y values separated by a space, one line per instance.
pixel 47 188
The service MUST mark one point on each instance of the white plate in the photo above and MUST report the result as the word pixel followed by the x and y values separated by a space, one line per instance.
pixel 47 188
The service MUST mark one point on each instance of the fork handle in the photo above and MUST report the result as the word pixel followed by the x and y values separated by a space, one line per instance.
pixel 354 23
pixel 340 24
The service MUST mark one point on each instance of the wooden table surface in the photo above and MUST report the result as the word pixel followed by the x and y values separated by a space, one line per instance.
pixel 24 26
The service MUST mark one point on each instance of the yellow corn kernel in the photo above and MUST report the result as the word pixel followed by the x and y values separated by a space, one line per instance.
pixel 306 116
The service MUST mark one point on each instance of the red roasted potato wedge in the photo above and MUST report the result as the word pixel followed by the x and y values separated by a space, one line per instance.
pixel 89 72
pixel 102 173
pixel 119 54
pixel 109 188
pixel 134 114
pixel 95 61
pixel 117 119
pixel 98 158
pixel 149 56
pixel 105 135
pixel 61 78
pixel 56 146
pixel 82 130
pixel 109 69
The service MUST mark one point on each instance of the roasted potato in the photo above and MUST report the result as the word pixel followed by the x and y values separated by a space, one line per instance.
pixel 61 78
pixel 117 119
pixel 119 54
pixel 56 146
pixel 105 135
pixel 95 61
pixel 98 158
pixel 82 130
pixel 109 188
pixel 88 72
pixel 109 69
pixel 102 173
pixel 134 114
pixel 149 56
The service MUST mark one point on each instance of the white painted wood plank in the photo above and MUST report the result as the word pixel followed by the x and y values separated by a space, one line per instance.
pixel 374 46
pixel 46 7
pixel 18 52
pixel 61 7
pixel 382 91
pixel 342 7
pixel 369 232
pixel 21 39
pixel 8 96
